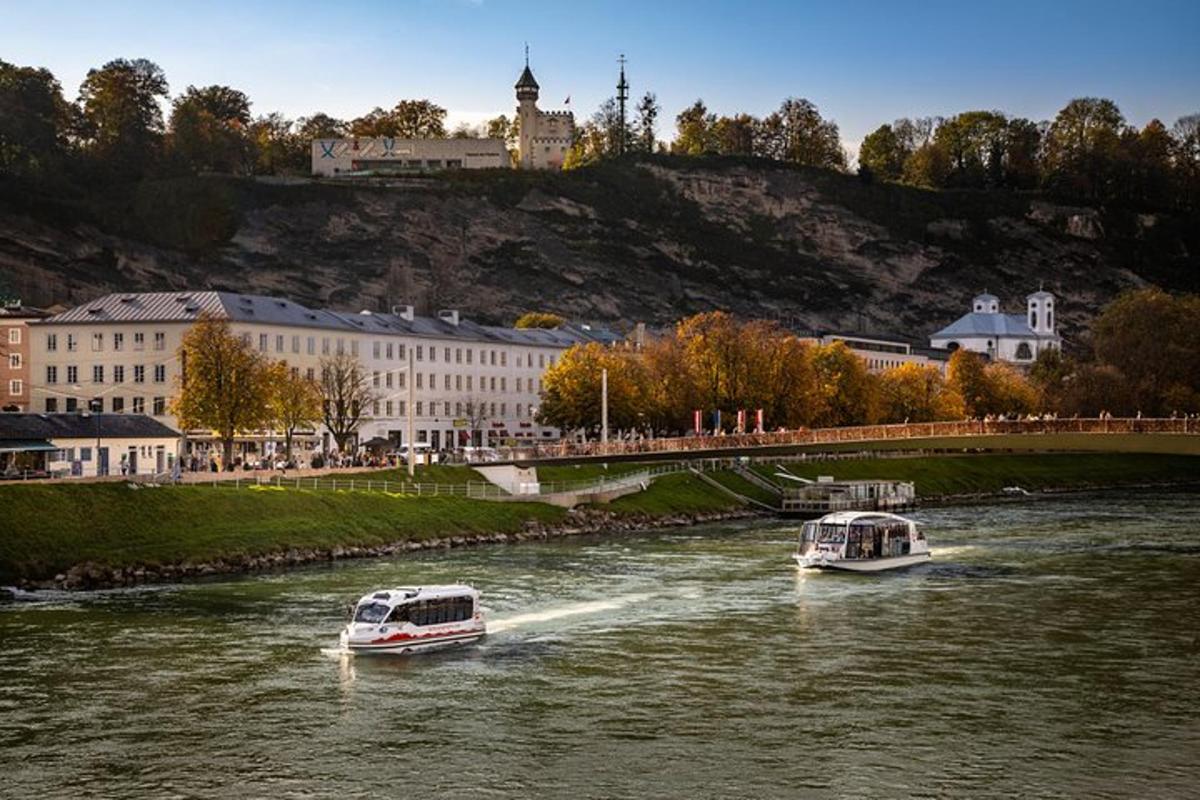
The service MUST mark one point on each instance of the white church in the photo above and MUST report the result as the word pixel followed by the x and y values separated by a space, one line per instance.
pixel 1015 338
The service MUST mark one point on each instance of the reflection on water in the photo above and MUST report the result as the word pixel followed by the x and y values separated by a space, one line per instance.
pixel 1050 649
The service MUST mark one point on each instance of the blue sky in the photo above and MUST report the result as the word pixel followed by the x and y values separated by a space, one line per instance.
pixel 862 63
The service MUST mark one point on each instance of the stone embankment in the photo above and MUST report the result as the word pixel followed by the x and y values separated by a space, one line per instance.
pixel 88 575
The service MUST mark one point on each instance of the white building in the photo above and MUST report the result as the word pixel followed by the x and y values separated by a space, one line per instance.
pixel 471 382
pixel 545 136
pixel 1015 338
pixel 391 156
pixel 881 353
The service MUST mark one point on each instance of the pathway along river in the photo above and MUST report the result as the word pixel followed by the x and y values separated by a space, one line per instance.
pixel 1051 650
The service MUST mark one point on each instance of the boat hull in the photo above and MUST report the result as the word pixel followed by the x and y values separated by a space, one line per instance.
pixel 864 565
pixel 413 645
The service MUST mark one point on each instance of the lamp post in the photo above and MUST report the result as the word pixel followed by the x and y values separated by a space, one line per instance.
pixel 604 406
pixel 96 405
pixel 412 451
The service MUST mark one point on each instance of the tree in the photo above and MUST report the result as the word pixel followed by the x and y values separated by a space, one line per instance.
pixel 1081 149
pixel 1186 134
pixel 320 126
pixel 918 393
pixel 34 122
pixel 346 394
pixel 1153 340
pixel 847 393
pixel 1010 392
pixel 419 119
pixel 1048 375
pixel 538 319
pixel 927 166
pixel 810 140
pixel 572 389
pixel 208 129
pixel 121 122
pixel 295 403
pixel 509 131
pixel 882 153
pixel 277 149
pixel 224 384
pixel 965 375
pixel 694 127
pixel 735 136
pixel 644 134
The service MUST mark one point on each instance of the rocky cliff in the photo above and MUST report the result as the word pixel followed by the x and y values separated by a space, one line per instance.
pixel 634 241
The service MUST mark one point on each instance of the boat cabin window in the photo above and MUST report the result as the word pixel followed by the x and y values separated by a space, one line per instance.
pixel 399 614
pixel 886 539
pixel 831 534
pixel 442 610
pixel 371 613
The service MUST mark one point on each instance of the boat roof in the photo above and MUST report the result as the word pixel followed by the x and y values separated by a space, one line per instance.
pixel 848 517
pixel 401 593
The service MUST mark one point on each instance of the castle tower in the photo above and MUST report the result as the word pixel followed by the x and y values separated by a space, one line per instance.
pixel 1041 312
pixel 527 113
pixel 986 304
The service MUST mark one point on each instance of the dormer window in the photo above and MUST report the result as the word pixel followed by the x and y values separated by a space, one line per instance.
pixel 1033 319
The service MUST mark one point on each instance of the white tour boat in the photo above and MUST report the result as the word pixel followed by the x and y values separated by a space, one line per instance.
pixel 413 619
pixel 861 541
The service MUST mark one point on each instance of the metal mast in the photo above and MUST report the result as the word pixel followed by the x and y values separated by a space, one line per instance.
pixel 622 96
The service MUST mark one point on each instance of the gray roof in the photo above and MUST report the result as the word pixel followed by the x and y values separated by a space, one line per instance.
pixel 983 324
pixel 191 306
pixel 82 426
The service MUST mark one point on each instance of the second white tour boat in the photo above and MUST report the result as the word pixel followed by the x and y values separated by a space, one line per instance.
pixel 413 619
pixel 861 541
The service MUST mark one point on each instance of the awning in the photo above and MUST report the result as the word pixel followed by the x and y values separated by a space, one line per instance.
pixel 25 446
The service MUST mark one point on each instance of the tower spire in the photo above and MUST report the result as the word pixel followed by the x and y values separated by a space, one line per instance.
pixel 622 96
pixel 527 55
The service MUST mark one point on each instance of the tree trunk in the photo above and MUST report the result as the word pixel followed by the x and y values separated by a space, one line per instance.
pixel 227 450
pixel 287 445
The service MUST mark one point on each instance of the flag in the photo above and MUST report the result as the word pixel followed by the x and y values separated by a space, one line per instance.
pixel 759 420
pixel 696 421
pixel 567 102
pixel 741 420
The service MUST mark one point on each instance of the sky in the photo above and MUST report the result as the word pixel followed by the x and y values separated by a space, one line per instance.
pixel 862 63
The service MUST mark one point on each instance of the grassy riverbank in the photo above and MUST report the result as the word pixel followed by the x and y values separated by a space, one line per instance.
pixel 47 528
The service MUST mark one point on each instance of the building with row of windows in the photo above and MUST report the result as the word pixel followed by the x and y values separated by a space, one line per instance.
pixel 471 383
pixel 14 355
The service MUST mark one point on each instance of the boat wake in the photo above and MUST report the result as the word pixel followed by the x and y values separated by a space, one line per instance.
pixel 573 610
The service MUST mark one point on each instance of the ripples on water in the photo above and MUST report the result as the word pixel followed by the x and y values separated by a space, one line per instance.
pixel 1050 650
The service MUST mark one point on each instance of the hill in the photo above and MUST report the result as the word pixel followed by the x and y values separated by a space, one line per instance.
pixel 634 240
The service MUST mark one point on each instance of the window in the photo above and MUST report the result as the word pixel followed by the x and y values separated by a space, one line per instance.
pixel 504 409
pixel 51 405
pixel 541 360
pixel 341 345
pixel 388 379
pixel 118 405
pixel 160 373
pixel 504 358
pixel 14 360
pixel 470 353
pixel 72 405
pixel 503 384
pixel 97 373
pixel 139 341
pixel 139 405
pixel 419 414
pixel 389 350
pixel 72 374
pixel 446 384
pixel 420 352
pixel 139 373
pixel 262 343
pixel 493 383
pixel 324 345
pixel 458 383
pixel 51 374
pixel 518 409
pixel 1023 351
pixel 470 380
pixel 279 343
pixel 85 454
pixel 97 342
pixel 375 408
pixel 420 379
pixel 15 387
pixel 432 354
pixel 401 381
pixel 118 341
pixel 118 374
pixel 51 342
pixel 160 340
pixel 375 379
pixel 493 407
pixel 446 355
pixel 310 374
pixel 14 335
pixel 402 408
pixel 296 345
pixel 458 355
pixel 160 406
pixel 312 345
pixel 458 408
pixel 401 351
pixel 1033 319
pixel 295 372
pixel 72 343
pixel 389 408
pixel 492 360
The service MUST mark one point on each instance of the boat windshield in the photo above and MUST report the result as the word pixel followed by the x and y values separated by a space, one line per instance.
pixel 371 613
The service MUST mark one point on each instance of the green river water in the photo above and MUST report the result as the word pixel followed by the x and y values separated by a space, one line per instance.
pixel 1052 649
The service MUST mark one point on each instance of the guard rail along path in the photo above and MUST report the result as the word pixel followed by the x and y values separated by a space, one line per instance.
pixel 862 433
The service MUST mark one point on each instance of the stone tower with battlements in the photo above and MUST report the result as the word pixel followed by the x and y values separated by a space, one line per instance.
pixel 545 136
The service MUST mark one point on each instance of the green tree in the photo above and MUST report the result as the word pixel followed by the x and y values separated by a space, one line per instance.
pixel 209 130
pixel 320 126
pixel 644 128
pixel 808 139
pixel 294 403
pixel 694 131
pixel 1081 150
pixel 35 122
pixel 419 119
pixel 277 148
pixel 121 123
pixel 882 154
pixel 735 136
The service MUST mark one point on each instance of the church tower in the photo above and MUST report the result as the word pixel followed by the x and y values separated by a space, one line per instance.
pixel 527 113
pixel 1041 313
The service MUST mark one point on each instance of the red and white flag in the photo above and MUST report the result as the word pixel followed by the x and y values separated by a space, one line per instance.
pixel 758 421
pixel 696 421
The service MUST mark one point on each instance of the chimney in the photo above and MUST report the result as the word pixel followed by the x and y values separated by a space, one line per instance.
pixel 403 312
pixel 449 315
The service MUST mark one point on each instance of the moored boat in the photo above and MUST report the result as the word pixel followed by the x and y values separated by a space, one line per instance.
pixel 411 619
pixel 861 541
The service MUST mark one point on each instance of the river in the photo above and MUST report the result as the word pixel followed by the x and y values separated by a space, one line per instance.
pixel 1051 650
